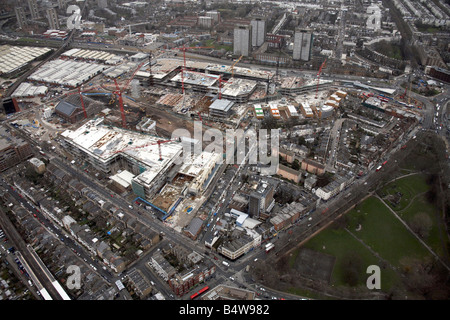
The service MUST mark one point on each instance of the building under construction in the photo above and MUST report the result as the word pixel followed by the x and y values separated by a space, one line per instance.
pixel 153 161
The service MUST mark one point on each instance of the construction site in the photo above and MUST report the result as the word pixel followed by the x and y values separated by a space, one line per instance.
pixel 119 113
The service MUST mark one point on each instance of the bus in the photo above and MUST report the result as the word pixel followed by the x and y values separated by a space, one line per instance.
pixel 269 247
pixel 200 292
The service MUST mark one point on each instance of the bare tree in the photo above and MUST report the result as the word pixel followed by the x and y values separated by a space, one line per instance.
pixel 421 224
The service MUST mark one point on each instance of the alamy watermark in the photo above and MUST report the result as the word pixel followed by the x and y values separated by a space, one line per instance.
pixel 74 21
pixel 374 280
pixel 74 280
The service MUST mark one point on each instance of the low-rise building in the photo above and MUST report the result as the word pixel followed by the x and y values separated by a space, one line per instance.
pixel 239 243
pixel 313 166
pixel 13 150
pixel 288 215
pixel 37 165
pixel 334 187
pixel 289 173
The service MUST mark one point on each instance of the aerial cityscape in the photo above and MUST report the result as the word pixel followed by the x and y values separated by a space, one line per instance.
pixel 224 150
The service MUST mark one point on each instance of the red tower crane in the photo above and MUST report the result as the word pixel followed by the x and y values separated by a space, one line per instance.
pixel 183 48
pixel 81 98
pixel 119 92
pixel 318 76
pixel 220 86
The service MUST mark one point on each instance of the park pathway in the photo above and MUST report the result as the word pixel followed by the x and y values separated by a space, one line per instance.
pixel 413 233
pixel 374 252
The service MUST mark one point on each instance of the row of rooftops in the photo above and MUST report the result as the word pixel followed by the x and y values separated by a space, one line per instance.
pixel 93 285
pixel 14 57
pixel 66 72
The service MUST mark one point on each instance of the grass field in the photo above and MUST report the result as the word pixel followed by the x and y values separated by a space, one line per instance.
pixel 383 241
pixel 421 205
pixel 412 203
pixel 339 243
pixel 384 233
pixel 404 188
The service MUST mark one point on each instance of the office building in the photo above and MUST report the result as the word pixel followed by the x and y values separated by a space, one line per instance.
pixel 242 44
pixel 205 22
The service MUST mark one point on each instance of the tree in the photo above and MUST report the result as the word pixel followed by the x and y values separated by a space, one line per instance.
pixel 296 165
pixel 269 123
pixel 301 140
pixel 421 224
pixel 351 268
pixel 426 277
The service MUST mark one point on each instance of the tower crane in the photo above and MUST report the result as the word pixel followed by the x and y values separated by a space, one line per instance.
pixel 232 66
pixel 136 24
pixel 318 75
pixel 119 92
pixel 81 98
pixel 220 86
pixel 183 48
pixel 159 143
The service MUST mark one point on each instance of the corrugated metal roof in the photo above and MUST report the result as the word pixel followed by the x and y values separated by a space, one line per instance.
pixel 66 108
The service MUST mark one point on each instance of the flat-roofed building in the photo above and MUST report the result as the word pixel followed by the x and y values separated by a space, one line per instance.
pixel 261 199
pixel 221 108
pixel 37 165
pixel 259 113
pixel 34 9
pixel 306 110
pixel 288 215
pixel 289 173
pixel 112 149
pixel 313 166
pixel 242 42
pixel 292 111
pixel 258 31
pixel 21 17
pixel 303 42
pixel 205 22
pixel 215 15
pixel 334 187
pixel 13 150
pixel 52 17
pixel 240 242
